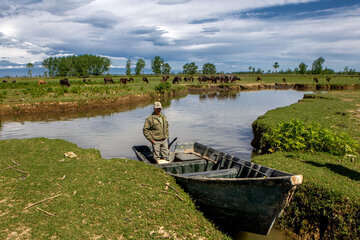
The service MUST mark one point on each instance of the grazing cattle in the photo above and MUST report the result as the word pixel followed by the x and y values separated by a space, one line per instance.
pixel 145 80
pixel 123 80
pixel 4 81
pixel 64 82
pixel 41 82
pixel 203 79
pixel 258 79
pixel 316 80
pixel 328 79
pixel 165 78
pixel 233 78
pixel 284 80
pixel 108 80
pixel 13 81
pixel 176 80
pixel 131 80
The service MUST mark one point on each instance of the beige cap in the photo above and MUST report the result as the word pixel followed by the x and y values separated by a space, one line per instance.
pixel 157 105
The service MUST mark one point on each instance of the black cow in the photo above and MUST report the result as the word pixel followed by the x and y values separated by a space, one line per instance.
pixel 258 79
pixel 145 80
pixel 4 81
pixel 176 79
pixel 123 80
pixel 316 80
pixel 64 82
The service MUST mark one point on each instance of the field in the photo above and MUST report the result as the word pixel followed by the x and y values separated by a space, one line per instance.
pixel 45 195
pixel 27 90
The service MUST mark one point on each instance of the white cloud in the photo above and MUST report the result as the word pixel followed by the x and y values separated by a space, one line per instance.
pixel 178 30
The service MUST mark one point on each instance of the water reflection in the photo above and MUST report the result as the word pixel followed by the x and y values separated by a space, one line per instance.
pixel 222 121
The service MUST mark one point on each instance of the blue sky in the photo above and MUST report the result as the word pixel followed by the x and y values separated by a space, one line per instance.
pixel 231 34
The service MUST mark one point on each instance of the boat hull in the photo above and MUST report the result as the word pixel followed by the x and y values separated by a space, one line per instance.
pixel 230 189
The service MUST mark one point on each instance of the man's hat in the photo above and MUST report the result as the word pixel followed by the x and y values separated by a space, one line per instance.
pixel 157 105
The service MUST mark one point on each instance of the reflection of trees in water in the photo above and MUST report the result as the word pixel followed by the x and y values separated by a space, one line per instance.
pixel 0 125
pixel 219 95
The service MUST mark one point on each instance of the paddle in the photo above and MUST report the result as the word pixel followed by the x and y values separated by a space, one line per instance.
pixel 199 155
pixel 172 142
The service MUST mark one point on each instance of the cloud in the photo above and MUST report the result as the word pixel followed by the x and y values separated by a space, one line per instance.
pixel 172 2
pixel 232 35
pixel 99 19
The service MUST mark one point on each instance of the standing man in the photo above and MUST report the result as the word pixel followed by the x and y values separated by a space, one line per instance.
pixel 156 130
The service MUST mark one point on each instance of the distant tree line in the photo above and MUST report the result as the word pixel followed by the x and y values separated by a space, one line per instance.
pixel 83 65
pixel 316 68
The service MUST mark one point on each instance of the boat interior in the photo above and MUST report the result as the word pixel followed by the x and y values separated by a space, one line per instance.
pixel 199 161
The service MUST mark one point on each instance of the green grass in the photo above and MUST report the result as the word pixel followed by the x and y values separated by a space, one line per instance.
pixel 26 90
pixel 100 199
pixel 327 205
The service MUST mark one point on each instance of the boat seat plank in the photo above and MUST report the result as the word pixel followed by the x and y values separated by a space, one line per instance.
pixel 186 157
pixel 184 167
pixel 223 173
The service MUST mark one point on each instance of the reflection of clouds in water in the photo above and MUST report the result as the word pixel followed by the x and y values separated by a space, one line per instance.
pixel 222 124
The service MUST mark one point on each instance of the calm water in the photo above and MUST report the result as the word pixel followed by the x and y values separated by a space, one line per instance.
pixel 220 121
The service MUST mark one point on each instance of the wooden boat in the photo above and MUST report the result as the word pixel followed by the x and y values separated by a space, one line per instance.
pixel 247 193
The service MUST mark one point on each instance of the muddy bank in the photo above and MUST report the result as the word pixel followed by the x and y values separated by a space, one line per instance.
pixel 107 105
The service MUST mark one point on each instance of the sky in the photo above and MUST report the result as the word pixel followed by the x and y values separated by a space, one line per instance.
pixel 233 34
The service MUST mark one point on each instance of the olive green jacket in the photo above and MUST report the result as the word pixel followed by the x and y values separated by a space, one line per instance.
pixel 153 130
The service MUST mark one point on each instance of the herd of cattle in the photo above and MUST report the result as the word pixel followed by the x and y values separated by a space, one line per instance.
pixel 211 79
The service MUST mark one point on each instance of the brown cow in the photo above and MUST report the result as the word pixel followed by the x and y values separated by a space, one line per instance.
pixel 108 80
pixel 41 82
pixel 165 78
pixel 316 80
pixel 14 81
pixel 123 80
pixel 284 80
pixel 328 79
pixel 4 81
pixel 258 79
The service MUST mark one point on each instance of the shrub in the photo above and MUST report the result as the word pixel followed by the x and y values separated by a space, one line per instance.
pixel 163 87
pixel 2 95
pixel 295 135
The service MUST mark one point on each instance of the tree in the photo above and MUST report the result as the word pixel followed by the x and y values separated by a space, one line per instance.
pixel 276 66
pixel 166 69
pixel 302 68
pixel 156 64
pixel 190 68
pixel 140 65
pixel 128 67
pixel 82 65
pixel 208 68
pixel 316 67
pixel 30 66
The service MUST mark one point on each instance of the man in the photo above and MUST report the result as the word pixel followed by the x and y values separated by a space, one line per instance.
pixel 156 130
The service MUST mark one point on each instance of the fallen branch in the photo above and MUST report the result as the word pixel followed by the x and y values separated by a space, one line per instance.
pixel 174 194
pixel 42 210
pixel 16 164
pixel 33 204
pixel 18 170
pixel 168 184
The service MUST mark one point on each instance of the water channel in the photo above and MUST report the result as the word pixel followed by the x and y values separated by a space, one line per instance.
pixel 222 121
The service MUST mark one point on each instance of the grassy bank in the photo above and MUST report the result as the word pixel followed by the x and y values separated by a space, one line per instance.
pixel 327 205
pixel 88 197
